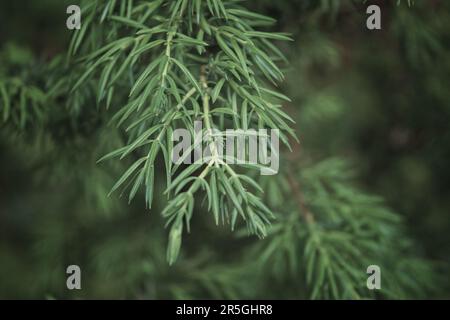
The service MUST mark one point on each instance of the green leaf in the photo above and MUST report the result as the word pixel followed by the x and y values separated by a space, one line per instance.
pixel 128 22
pixel 136 186
pixel 141 139
pixel 216 91
pixel 230 192
pixel 187 73
pixel 127 174
pixel 147 47
pixel 214 197
pixel 250 15
pixel 173 249
pixel 269 35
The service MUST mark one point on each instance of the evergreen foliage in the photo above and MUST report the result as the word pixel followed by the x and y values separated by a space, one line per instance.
pixel 97 120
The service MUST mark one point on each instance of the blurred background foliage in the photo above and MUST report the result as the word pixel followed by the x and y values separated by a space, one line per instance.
pixel 378 99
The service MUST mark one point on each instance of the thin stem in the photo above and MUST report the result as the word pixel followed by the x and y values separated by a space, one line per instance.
pixel 212 145
pixel 168 52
